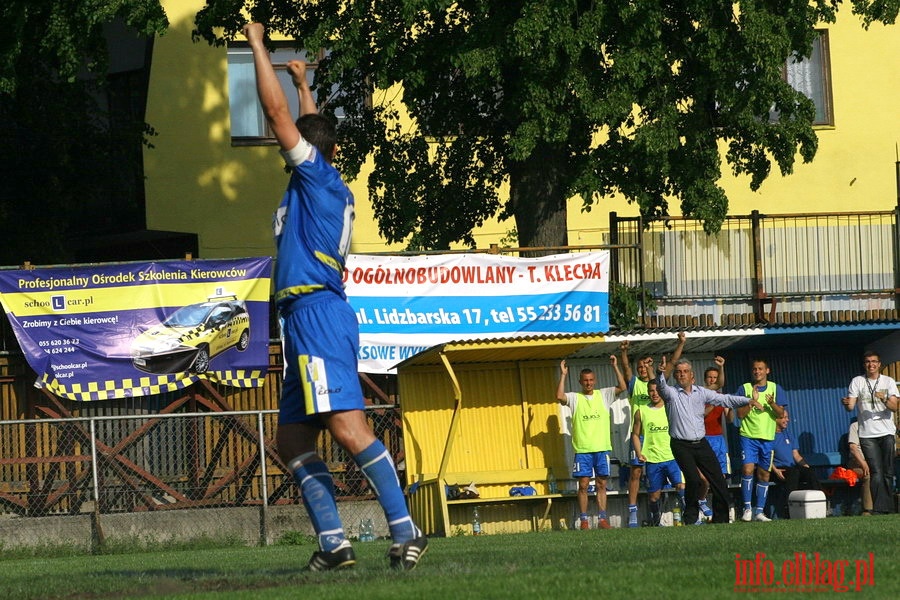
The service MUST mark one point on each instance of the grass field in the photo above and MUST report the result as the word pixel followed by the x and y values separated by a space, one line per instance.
pixel 683 562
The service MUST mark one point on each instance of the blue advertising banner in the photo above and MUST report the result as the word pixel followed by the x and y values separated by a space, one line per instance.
pixel 135 329
pixel 406 304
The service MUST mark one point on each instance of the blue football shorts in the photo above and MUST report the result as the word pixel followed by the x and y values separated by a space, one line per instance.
pixel 758 452
pixel 634 461
pixel 591 464
pixel 320 339
pixel 720 449
pixel 659 473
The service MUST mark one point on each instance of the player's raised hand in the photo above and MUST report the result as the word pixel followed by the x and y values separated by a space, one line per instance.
pixel 297 69
pixel 254 32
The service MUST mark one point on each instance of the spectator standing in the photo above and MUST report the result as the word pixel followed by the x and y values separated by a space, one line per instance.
pixel 875 398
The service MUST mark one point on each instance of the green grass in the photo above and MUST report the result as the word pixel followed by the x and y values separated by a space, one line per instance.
pixel 683 562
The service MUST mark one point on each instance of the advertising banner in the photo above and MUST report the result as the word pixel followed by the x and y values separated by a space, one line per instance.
pixel 406 304
pixel 134 329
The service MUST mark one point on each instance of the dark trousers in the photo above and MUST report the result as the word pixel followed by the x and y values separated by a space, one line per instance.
pixel 695 458
pixel 879 453
pixel 795 478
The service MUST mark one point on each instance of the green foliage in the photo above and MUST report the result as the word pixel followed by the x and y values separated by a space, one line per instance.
pixel 66 36
pixel 510 239
pixel 295 538
pixel 625 305
pixel 459 532
pixel 521 92
pixel 70 156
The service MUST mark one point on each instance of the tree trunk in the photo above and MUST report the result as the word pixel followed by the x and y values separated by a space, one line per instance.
pixel 537 200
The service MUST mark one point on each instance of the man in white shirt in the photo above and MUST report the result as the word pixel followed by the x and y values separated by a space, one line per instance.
pixel 875 398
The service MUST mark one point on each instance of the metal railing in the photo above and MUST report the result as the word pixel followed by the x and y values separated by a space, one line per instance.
pixel 810 264
pixel 155 462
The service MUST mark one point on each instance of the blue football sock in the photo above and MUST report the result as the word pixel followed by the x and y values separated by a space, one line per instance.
pixel 378 468
pixel 681 498
pixel 746 489
pixel 762 490
pixel 705 509
pixel 317 492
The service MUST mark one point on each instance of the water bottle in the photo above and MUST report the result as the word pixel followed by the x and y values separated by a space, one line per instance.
pixel 551 483
pixel 476 522
pixel 366 531
pixel 676 515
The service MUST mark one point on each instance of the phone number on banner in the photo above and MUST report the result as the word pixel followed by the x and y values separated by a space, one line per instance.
pixel 482 315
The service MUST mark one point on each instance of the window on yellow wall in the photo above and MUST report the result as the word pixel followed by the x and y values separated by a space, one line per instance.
pixel 248 124
pixel 812 77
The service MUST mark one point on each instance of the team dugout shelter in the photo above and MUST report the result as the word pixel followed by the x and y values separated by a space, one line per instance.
pixel 483 413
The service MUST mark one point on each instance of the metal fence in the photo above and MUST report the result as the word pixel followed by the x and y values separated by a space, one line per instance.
pixel 807 264
pixel 161 462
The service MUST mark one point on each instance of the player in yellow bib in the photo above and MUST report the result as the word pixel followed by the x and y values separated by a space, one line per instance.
pixel 591 439
pixel 757 437
pixel 650 437
pixel 638 396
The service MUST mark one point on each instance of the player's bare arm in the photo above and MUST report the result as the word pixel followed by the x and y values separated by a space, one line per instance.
pixel 297 69
pixel 621 386
pixel 626 364
pixel 271 96
pixel 561 388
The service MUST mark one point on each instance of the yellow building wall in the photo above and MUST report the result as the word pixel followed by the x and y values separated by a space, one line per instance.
pixel 197 182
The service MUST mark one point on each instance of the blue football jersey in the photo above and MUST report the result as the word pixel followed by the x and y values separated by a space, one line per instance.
pixel 312 227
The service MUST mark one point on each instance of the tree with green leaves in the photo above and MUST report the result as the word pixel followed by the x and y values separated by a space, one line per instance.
pixel 68 157
pixel 557 99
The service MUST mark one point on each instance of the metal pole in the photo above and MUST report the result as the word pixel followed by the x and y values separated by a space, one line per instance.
pixel 94 470
pixel 264 510
pixel 98 539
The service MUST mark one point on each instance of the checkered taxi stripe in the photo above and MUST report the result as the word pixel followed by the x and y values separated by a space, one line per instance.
pixel 149 385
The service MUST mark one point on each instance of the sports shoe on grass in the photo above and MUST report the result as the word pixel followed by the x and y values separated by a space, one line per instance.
pixel 405 557
pixel 585 524
pixel 747 516
pixel 603 524
pixel 341 557
pixel 705 509
pixel 761 517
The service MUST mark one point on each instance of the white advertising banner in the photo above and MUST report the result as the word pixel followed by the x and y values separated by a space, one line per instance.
pixel 406 304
